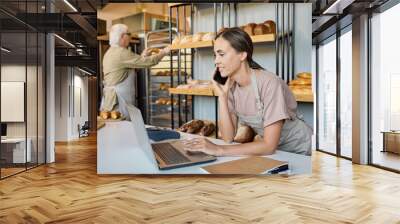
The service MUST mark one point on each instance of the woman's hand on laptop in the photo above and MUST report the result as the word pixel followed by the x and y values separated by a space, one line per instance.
pixel 203 145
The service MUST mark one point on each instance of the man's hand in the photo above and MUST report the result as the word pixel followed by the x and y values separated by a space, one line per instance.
pixel 146 52
pixel 166 50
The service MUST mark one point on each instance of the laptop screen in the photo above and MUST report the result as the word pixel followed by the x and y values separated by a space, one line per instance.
pixel 140 132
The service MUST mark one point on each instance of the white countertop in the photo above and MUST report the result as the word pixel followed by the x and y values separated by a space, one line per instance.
pixel 119 153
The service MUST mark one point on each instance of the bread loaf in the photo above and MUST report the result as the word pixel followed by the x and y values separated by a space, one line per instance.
pixel 300 82
pixel 163 86
pixel 271 26
pixel 186 39
pixel 261 29
pixel 198 36
pixel 153 51
pixel 160 73
pixel 207 130
pixel 304 75
pixel 105 115
pixel 208 36
pixel 244 134
pixel 249 28
pixel 115 114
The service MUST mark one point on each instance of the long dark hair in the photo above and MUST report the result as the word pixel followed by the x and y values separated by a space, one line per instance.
pixel 241 42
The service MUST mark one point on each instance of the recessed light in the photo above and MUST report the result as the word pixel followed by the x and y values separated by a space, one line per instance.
pixel 5 50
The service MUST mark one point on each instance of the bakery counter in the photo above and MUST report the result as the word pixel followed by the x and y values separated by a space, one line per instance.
pixel 118 152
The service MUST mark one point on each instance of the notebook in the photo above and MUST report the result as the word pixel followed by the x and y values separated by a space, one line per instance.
pixel 249 165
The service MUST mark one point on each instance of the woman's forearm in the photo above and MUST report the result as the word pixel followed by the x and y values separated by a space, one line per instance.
pixel 226 125
pixel 252 148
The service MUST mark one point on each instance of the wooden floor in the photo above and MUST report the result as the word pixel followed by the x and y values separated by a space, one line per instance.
pixel 387 159
pixel 70 191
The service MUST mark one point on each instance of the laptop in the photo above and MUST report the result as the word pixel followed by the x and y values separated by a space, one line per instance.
pixel 168 155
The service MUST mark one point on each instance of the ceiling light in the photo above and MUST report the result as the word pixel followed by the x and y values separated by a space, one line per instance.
pixel 84 71
pixel 5 50
pixel 338 6
pixel 65 41
pixel 70 5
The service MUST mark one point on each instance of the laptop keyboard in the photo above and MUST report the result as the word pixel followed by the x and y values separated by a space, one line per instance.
pixel 169 154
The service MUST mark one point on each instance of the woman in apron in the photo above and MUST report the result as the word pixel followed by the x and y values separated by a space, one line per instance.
pixel 119 63
pixel 254 97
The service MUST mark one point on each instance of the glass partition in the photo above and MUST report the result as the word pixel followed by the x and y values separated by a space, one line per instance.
pixel 327 96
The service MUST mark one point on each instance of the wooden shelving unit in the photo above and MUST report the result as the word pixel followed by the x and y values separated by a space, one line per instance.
pixel 307 98
pixel 202 44
pixel 192 91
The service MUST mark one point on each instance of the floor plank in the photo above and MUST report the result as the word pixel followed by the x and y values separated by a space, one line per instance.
pixel 70 191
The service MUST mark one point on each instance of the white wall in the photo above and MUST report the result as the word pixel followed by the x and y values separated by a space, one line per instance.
pixel 70 84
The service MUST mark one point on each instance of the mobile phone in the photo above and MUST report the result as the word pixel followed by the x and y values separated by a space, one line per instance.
pixel 218 78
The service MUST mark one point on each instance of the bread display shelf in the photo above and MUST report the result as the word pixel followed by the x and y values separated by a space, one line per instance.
pixel 307 98
pixel 201 44
pixel 192 91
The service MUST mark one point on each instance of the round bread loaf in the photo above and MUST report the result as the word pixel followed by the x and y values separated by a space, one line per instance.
pixel 300 82
pixel 208 36
pixel 208 129
pixel 261 29
pixel 195 126
pixel 115 114
pixel 186 39
pixel 304 75
pixel 105 115
pixel 153 51
pixel 271 26
pixel 249 28
pixel 198 36
pixel 244 134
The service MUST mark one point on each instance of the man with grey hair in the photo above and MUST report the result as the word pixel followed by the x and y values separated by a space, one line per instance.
pixel 119 63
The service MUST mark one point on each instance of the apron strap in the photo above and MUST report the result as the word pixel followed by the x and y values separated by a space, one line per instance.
pixel 259 103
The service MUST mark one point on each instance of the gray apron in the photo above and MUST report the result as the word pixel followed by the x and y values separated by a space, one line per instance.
pixel 295 134
pixel 125 91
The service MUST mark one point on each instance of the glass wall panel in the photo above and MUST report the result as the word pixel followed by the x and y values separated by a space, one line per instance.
pixel 32 96
pixel 327 96
pixel 14 146
pixel 22 88
pixel 385 84
pixel 346 94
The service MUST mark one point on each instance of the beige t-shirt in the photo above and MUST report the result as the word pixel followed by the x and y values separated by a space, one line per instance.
pixel 279 102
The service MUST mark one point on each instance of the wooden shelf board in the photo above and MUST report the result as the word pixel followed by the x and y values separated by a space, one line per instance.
pixel 209 43
pixel 192 91
pixel 307 98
